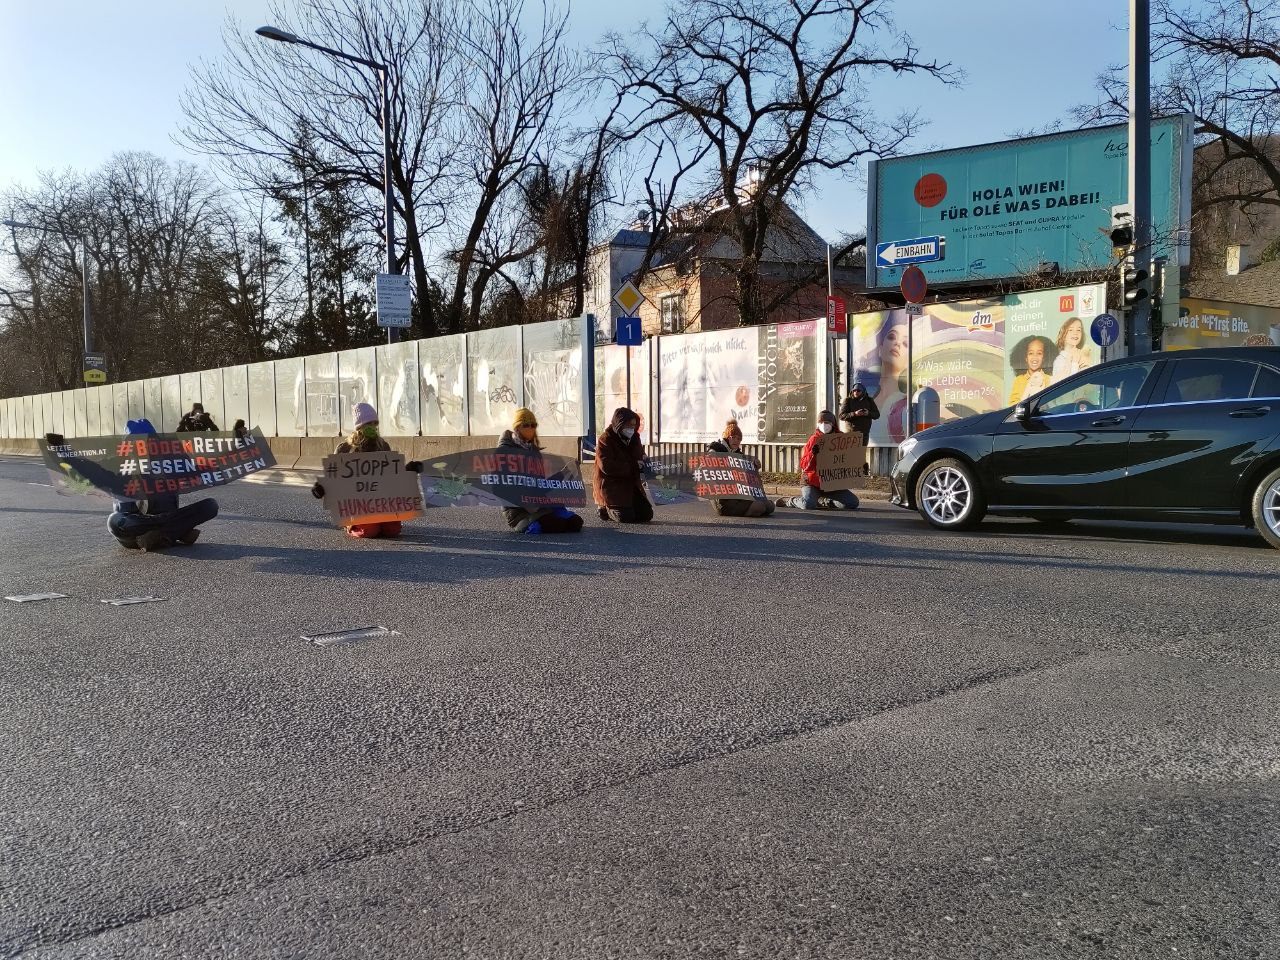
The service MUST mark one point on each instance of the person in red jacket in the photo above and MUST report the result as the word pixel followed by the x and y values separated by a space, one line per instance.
pixel 812 496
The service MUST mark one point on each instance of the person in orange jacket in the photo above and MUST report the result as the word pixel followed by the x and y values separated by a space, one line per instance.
pixel 812 496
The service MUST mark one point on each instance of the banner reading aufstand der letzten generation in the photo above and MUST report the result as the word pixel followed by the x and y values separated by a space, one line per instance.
pixel 1004 209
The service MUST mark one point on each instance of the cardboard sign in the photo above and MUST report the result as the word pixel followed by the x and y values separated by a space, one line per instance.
pixel 370 488
pixel 840 460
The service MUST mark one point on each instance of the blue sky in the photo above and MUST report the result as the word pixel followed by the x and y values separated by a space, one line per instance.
pixel 83 79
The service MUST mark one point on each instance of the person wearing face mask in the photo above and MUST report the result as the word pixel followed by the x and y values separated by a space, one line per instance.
pixel 619 483
pixel 523 438
pixel 731 442
pixel 366 439
pixel 812 496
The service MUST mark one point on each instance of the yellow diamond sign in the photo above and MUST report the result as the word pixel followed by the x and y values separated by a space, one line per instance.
pixel 629 298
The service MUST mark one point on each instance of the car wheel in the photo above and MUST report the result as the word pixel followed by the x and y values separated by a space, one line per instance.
pixel 1266 508
pixel 948 496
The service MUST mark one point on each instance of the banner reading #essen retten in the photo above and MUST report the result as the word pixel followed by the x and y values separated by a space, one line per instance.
pixel 139 467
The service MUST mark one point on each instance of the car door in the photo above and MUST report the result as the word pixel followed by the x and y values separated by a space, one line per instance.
pixel 1194 441
pixel 1071 452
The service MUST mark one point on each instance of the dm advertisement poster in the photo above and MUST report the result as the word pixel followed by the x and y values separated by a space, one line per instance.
pixel 1005 208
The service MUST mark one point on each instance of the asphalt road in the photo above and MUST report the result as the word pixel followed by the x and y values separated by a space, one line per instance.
pixel 827 735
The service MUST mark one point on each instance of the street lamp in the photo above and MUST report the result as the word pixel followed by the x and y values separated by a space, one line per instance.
pixel 84 273
pixel 275 33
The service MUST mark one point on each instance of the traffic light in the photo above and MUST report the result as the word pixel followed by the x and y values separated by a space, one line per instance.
pixel 1137 283
pixel 1121 231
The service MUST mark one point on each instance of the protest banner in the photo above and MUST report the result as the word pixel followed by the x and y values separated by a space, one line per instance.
pixel 529 479
pixel 370 488
pixel 706 476
pixel 140 467
pixel 840 460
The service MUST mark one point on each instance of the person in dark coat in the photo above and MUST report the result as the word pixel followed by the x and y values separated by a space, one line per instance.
pixel 731 442
pixel 619 483
pixel 197 421
pixel 523 438
pixel 159 522
pixel 858 410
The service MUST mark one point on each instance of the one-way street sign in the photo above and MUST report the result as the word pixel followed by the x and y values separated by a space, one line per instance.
pixel 897 253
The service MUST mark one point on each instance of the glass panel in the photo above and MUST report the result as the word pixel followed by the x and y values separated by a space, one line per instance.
pixel 37 416
pixel 106 410
pixel 137 401
pixel 189 387
pixel 69 414
pixel 398 388
pixel 496 386
pixel 443 364
pixel 261 378
pixel 154 396
pixel 553 376
pixel 171 409
pixel 322 395
pixel 93 413
pixel 1116 387
pixel 120 400
pixel 1267 386
pixel 1202 380
pixel 212 397
pixel 357 383
pixel 291 397
pixel 235 397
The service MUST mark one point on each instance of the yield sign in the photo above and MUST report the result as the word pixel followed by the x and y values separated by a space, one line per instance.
pixel 629 298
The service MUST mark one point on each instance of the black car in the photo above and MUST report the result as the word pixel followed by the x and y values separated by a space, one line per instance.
pixel 1192 435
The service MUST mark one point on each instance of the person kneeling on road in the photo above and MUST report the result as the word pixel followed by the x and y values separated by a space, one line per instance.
pixel 523 438
pixel 157 523
pixel 812 496
pixel 731 442
pixel 619 484
pixel 365 439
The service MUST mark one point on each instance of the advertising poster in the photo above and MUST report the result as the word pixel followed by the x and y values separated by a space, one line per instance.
pixel 497 386
pixel 959 351
pixel 611 380
pixel 1004 208
pixel 370 488
pixel 1047 337
pixel 788 372
pixel 443 367
pixel 880 353
pixel 682 383
pixel 1214 323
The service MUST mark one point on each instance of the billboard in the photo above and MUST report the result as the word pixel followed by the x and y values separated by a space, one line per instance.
pixel 1004 208
pixel 1212 323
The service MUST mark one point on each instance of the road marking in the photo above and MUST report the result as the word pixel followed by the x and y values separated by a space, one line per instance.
pixel 33 597
pixel 129 601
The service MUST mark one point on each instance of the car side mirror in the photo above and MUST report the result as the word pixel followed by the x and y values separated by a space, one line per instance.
pixel 1022 412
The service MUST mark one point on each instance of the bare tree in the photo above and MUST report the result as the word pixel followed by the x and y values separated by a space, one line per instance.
pixel 246 109
pixel 771 93
pixel 517 84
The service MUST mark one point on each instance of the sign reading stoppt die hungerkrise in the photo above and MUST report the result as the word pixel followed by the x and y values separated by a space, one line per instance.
pixel 370 488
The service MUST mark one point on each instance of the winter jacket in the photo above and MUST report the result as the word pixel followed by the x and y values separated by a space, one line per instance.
pixel 376 445
pixel 517 515
pixel 809 459
pixel 196 423
pixel 859 422
pixel 618 465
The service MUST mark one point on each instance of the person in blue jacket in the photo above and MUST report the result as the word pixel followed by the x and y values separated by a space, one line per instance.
pixel 158 522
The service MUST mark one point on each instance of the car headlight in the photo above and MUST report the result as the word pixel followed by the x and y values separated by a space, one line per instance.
pixel 906 446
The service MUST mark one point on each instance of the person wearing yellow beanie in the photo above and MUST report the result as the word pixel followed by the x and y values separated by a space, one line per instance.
pixel 523 436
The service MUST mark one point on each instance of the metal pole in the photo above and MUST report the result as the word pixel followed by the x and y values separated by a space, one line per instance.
pixel 628 349
pixel 88 311
pixel 911 362
pixel 388 207
pixel 1140 159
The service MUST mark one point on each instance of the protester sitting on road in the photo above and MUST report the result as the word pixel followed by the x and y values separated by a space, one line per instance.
pixel 523 438
pixel 196 421
pixel 812 496
pixel 365 439
pixel 731 442
pixel 158 522
pixel 619 483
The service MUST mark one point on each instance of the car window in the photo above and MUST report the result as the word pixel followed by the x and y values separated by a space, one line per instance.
pixel 1210 379
pixel 1098 390
pixel 1267 384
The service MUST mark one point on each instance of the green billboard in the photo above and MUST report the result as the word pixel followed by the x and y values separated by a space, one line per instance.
pixel 1006 209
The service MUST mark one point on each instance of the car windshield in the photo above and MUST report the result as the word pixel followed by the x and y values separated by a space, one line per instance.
pixel 1100 390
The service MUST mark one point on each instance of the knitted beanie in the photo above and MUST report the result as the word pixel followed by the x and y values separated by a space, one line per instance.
pixel 365 414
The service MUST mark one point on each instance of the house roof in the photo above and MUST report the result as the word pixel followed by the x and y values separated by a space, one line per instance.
pixel 1259 285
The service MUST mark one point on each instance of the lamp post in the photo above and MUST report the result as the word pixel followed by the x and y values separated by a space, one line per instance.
pixel 84 273
pixel 274 33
